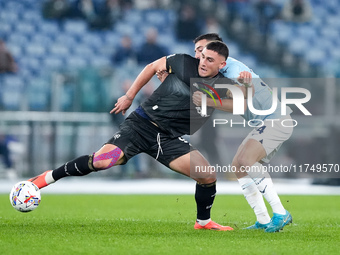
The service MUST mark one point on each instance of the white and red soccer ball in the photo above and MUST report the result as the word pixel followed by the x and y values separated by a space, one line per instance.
pixel 25 196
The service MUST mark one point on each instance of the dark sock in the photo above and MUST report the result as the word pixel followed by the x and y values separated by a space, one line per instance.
pixel 204 196
pixel 78 167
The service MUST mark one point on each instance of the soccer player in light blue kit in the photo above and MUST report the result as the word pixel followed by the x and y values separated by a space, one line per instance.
pixel 259 146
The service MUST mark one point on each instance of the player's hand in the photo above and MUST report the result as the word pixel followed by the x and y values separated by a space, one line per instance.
pixel 162 74
pixel 245 78
pixel 122 105
pixel 197 98
pixel 229 94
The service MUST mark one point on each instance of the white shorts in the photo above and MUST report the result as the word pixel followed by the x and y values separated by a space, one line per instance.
pixel 271 135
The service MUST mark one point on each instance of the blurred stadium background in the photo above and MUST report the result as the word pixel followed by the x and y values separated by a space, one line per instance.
pixel 55 106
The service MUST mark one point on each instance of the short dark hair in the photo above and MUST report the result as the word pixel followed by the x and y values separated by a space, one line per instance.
pixel 220 47
pixel 208 37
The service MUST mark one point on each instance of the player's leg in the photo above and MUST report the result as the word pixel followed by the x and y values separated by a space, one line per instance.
pixel 106 157
pixel 265 186
pixel 249 188
pixel 205 187
pixel 114 152
pixel 252 152
pixel 262 147
pixel 186 164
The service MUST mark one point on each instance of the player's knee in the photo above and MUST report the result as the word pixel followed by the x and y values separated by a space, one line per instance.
pixel 108 159
pixel 100 165
pixel 206 180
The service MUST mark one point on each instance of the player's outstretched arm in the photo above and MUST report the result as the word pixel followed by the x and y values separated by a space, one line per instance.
pixel 124 102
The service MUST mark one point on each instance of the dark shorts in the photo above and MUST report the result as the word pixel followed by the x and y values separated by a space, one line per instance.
pixel 137 134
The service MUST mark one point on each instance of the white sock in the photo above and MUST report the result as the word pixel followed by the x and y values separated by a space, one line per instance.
pixel 49 178
pixel 203 222
pixel 254 199
pixel 265 185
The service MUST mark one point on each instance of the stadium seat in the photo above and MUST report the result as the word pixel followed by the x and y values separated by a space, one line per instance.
pixel 17 39
pixel 5 29
pixel 186 48
pixel 35 50
pixel 316 57
pixel 13 6
pixel 30 63
pixel 66 40
pixel 38 95
pixel 133 17
pixel 306 31
pixel 12 91
pixel 59 49
pixel 49 28
pixel 9 16
pixel 332 6
pixel 281 32
pixel 11 100
pixel 41 39
pixel 123 28
pixel 93 40
pixel 110 43
pixel 333 21
pixel 321 12
pixel 32 16
pixel 112 38
pixel 248 60
pixel 298 46
pixel 25 75
pixel 24 28
pixel 100 61
pixel 234 50
pixel 83 51
pixel 157 18
pixel 330 33
pixel 14 82
pixel 53 63
pixel 15 49
pixel 77 27
pixel 76 62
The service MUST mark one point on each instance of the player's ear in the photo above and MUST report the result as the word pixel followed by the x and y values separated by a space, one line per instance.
pixel 222 64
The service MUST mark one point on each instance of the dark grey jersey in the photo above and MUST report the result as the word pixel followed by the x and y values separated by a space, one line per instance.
pixel 171 106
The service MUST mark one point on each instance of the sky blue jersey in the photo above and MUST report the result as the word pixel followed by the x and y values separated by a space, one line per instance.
pixel 262 99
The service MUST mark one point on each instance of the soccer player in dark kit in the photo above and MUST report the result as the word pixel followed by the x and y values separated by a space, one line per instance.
pixel 156 127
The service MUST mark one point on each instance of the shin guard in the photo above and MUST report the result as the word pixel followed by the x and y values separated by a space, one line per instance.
pixel 78 167
pixel 204 196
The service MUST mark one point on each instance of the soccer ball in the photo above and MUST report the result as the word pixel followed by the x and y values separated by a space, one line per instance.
pixel 25 196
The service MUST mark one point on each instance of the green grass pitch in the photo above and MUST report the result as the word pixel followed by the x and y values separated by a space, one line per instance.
pixel 163 224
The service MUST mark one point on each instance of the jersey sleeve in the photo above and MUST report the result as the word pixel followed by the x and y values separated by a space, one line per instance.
pixel 183 66
pixel 174 64
pixel 233 69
